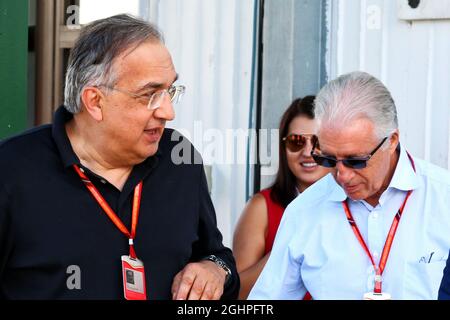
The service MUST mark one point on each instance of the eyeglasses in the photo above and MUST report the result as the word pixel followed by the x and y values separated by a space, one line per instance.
pixel 353 162
pixel 155 99
pixel 296 142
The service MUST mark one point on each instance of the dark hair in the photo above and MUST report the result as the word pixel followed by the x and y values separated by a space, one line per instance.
pixel 91 59
pixel 284 187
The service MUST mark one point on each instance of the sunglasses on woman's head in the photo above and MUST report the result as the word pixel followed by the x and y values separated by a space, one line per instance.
pixel 296 142
pixel 353 162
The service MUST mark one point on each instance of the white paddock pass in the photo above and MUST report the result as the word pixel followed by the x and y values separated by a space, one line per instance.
pixel 133 278
pixel 377 296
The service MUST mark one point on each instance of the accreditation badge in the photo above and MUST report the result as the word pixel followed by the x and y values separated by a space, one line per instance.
pixel 377 296
pixel 133 279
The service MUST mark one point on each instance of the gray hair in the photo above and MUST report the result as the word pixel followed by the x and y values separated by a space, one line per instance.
pixel 91 60
pixel 354 96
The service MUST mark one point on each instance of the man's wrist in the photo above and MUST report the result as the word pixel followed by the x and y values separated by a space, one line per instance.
pixel 221 264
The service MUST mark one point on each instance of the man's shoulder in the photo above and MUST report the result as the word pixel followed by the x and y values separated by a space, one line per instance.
pixel 25 142
pixel 312 211
pixel 316 198
pixel 318 192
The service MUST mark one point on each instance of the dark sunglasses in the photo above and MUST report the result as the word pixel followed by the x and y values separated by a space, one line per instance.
pixel 296 142
pixel 353 163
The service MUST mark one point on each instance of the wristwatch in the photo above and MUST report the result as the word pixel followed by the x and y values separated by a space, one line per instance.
pixel 219 262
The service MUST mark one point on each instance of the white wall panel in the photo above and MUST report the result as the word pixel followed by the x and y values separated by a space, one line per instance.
pixel 212 47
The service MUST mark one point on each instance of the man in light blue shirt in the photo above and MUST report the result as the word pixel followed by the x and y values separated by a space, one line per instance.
pixel 378 227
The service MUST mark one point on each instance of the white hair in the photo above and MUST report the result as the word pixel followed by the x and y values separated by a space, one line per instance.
pixel 353 96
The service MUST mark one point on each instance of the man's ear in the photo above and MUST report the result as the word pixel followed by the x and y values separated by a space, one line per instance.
pixel 394 141
pixel 92 98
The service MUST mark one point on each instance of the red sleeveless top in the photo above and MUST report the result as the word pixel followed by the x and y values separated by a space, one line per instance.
pixel 274 213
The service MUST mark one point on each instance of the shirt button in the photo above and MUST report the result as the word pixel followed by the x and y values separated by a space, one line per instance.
pixel 103 181
pixel 375 215
pixel 375 254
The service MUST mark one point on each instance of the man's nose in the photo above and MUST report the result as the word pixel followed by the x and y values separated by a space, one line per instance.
pixel 343 174
pixel 165 110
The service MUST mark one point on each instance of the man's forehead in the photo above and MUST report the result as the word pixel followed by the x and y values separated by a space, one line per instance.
pixel 150 47
pixel 149 64
pixel 348 140
pixel 146 54
pixel 347 128
pixel 145 84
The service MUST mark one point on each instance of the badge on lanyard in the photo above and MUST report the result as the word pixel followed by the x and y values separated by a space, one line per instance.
pixel 377 296
pixel 133 279
pixel 132 268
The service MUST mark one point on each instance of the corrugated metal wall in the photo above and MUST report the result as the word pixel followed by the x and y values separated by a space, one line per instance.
pixel 98 9
pixel 212 47
pixel 411 58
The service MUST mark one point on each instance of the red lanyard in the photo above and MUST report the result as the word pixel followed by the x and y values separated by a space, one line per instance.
pixel 110 212
pixel 390 238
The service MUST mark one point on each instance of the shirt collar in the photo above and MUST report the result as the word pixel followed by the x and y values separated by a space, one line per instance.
pixel 59 133
pixel 404 178
pixel 68 156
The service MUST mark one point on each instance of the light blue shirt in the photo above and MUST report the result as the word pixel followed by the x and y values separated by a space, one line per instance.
pixel 316 250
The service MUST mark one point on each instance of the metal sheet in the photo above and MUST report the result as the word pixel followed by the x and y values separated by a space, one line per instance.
pixel 212 47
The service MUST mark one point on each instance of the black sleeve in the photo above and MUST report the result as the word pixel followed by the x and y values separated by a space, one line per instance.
pixel 444 290
pixel 5 243
pixel 210 239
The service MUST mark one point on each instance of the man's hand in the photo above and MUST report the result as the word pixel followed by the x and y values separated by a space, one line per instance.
pixel 202 280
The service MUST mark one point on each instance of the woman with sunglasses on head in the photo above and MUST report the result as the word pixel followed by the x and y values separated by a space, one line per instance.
pixel 256 229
